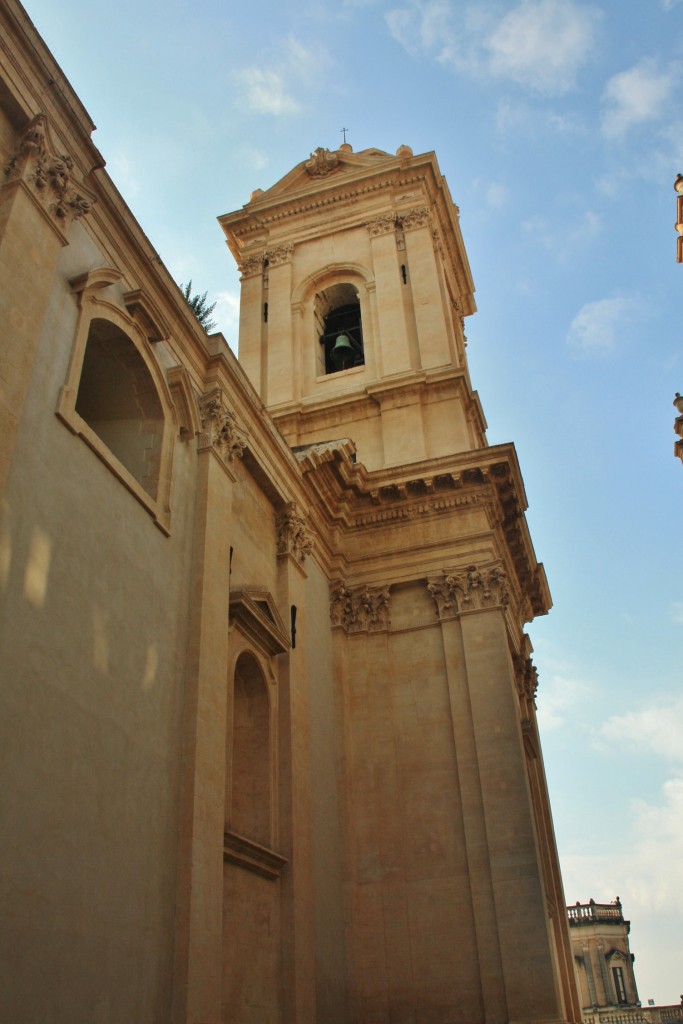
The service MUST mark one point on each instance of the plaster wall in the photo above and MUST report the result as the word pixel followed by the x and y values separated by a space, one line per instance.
pixel 93 636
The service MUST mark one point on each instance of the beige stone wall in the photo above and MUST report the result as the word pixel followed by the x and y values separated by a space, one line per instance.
pixel 94 616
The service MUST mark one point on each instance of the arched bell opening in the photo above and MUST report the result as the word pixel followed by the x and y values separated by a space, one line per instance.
pixel 338 318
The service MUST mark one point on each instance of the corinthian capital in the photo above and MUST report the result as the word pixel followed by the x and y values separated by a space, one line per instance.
pixel 219 427
pixel 48 173
pixel 293 537
pixel 361 610
pixel 418 218
pixel 468 589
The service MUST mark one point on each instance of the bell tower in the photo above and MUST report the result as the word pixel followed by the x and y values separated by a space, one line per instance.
pixel 355 285
pixel 437 893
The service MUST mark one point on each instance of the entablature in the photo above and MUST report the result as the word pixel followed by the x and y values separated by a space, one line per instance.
pixel 347 498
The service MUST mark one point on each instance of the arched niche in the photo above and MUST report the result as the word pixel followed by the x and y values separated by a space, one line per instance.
pixel 251 789
pixel 118 399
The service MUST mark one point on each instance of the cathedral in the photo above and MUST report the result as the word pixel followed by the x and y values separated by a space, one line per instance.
pixel 270 752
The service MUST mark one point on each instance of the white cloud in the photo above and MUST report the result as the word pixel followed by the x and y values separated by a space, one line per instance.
pixel 558 696
pixel 271 90
pixel 540 44
pixel 636 96
pixel 579 234
pixel 514 117
pixel 227 316
pixel 266 92
pixel 425 27
pixel 656 729
pixel 594 329
pixel 677 613
pixel 543 43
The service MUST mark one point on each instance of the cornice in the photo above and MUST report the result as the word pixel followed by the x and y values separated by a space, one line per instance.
pixel 346 497
pixel 246 222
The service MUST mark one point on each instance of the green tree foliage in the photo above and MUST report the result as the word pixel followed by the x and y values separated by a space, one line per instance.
pixel 199 306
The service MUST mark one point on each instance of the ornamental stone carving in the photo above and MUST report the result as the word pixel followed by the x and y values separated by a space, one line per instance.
pixel 49 173
pixel 321 162
pixel 293 537
pixel 526 677
pixel 382 225
pixel 418 218
pixel 282 254
pixel 361 610
pixel 250 266
pixel 470 589
pixel 678 426
pixel 219 428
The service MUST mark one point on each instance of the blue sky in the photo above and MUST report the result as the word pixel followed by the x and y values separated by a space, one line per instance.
pixel 558 125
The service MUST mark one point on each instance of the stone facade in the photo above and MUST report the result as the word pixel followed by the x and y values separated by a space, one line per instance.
pixel 269 725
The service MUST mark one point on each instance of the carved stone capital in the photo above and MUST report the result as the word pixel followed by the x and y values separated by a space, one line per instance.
pixel 381 225
pixel 361 610
pixel 526 677
pixel 282 254
pixel 469 589
pixel 293 536
pixel 417 218
pixel 48 173
pixel 251 266
pixel 321 162
pixel 219 427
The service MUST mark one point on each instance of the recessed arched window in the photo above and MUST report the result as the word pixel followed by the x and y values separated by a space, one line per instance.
pixel 338 319
pixel 118 399
pixel 251 772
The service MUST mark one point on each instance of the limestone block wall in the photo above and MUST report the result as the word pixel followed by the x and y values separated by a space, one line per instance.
pixel 94 631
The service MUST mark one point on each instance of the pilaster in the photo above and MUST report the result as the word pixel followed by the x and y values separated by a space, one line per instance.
pixel 430 314
pixel 395 355
pixel 294 544
pixel 280 379
pixel 199 923
pixel 38 201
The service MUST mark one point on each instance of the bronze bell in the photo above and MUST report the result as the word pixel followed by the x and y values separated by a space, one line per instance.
pixel 342 355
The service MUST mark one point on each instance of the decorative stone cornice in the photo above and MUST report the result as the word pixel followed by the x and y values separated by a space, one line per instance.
pixel 383 225
pixel 293 536
pixel 361 610
pixel 219 428
pixel 417 218
pixel 49 174
pixel 469 589
pixel 321 163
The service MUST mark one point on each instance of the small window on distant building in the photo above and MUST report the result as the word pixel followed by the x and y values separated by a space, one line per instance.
pixel 118 400
pixel 338 318
pixel 619 986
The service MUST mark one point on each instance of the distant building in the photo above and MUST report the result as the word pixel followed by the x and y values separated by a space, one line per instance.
pixel 604 968
pixel 678 426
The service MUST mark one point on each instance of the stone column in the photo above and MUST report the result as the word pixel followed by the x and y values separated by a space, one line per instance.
pixel 298 926
pixel 430 314
pixel 199 923
pixel 38 202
